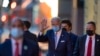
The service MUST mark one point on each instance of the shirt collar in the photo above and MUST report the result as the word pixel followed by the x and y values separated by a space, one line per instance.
pixel 14 41
pixel 58 32
pixel 91 36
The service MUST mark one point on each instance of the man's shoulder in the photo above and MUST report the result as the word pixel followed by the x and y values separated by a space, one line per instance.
pixel 97 35
pixel 49 30
pixel 74 35
pixel 29 33
pixel 5 44
pixel 82 37
pixel 30 42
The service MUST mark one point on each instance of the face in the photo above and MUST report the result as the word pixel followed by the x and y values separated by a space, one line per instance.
pixel 25 28
pixel 55 23
pixel 63 25
pixel 17 24
pixel 90 27
pixel 17 29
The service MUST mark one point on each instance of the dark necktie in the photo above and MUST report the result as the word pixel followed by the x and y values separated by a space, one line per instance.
pixel 89 50
pixel 17 49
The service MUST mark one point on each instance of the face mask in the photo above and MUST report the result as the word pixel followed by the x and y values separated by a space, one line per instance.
pixel 16 32
pixel 89 32
pixel 64 29
pixel 55 28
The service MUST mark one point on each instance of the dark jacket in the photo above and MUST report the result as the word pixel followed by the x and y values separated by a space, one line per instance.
pixel 80 46
pixel 64 47
pixel 29 35
pixel 32 48
pixel 74 39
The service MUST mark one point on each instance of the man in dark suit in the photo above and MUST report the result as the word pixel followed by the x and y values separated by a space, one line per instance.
pixel 27 33
pixel 58 40
pixel 89 44
pixel 67 26
pixel 17 45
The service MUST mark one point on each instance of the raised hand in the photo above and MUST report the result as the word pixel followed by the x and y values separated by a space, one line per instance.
pixel 43 25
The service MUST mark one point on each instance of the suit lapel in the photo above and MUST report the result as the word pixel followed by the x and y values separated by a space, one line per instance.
pixel 61 36
pixel 97 41
pixel 83 43
pixel 24 48
pixel 9 48
pixel 53 38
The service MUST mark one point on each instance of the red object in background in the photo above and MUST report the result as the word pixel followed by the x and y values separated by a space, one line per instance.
pixel 12 16
pixel 37 21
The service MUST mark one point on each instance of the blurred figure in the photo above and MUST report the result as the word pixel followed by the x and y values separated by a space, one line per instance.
pixel 59 42
pixel 27 33
pixel 17 45
pixel 89 44
pixel 1 28
pixel 67 26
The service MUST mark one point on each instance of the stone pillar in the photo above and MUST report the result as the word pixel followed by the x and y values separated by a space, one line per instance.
pixel 74 16
pixel 92 12
pixel 89 12
pixel 98 17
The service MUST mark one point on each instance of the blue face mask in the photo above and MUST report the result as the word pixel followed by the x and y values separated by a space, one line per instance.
pixel 16 32
pixel 55 28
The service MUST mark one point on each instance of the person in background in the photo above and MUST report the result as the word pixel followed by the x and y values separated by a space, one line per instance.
pixel 1 28
pixel 27 33
pixel 17 45
pixel 58 40
pixel 89 44
pixel 67 26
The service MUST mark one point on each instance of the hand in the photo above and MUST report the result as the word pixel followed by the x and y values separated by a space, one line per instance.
pixel 43 25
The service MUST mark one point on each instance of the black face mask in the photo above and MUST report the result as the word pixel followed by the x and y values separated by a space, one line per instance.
pixel 64 29
pixel 89 32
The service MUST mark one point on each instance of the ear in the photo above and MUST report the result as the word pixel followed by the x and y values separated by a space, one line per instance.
pixel 70 28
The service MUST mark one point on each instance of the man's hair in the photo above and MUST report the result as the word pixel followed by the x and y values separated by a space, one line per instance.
pixel 27 24
pixel 56 18
pixel 67 22
pixel 93 23
pixel 17 19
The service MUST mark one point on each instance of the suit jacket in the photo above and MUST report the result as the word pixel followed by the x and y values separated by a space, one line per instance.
pixel 64 47
pixel 29 35
pixel 31 50
pixel 80 46
pixel 74 39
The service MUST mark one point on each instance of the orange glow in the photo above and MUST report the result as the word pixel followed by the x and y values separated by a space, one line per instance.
pixel 53 5
pixel 13 5
pixel 3 18
pixel 45 10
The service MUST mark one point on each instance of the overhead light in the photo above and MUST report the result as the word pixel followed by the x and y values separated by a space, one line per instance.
pixel 3 18
pixel 13 5
pixel 5 3
pixel 41 1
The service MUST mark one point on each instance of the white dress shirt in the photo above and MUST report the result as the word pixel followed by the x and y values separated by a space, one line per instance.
pixel 58 34
pixel 57 37
pixel 13 42
pixel 93 45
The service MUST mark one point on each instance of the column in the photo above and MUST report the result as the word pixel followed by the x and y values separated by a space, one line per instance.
pixel 74 16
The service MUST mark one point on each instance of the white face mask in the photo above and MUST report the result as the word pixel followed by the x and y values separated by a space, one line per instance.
pixel 16 32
